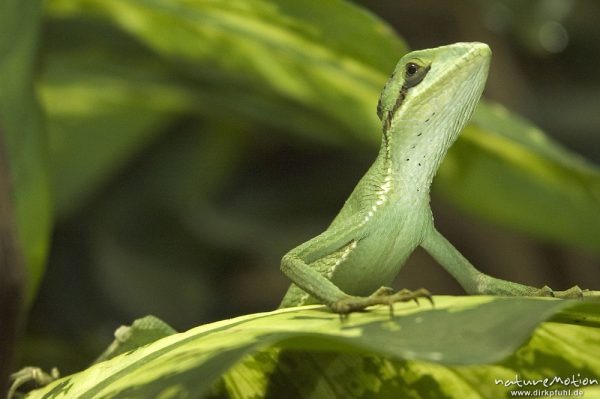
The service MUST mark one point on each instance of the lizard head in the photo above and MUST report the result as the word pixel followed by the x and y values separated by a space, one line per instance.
pixel 425 104
pixel 447 81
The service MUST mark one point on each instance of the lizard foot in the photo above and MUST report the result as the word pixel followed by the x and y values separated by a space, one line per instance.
pixel 35 374
pixel 383 296
pixel 572 293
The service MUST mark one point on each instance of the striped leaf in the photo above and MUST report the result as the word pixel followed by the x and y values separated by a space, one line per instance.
pixel 430 352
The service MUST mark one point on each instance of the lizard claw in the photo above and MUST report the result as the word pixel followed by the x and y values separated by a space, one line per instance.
pixel 382 291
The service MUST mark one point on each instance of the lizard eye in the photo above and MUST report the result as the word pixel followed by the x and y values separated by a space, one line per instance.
pixel 411 69
pixel 414 74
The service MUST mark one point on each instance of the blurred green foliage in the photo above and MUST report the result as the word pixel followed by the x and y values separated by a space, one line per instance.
pixel 192 143
pixel 284 51
pixel 24 134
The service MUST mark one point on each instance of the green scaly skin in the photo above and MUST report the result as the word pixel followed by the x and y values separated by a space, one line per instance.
pixel 423 107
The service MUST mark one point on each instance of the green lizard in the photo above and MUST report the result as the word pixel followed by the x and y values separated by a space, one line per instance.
pixel 428 99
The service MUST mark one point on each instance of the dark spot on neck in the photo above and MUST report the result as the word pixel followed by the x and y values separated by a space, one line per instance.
pixel 419 134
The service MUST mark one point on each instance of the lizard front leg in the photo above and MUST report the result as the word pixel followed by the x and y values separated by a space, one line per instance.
pixel 296 265
pixel 475 282
pixel 311 281
pixel 338 301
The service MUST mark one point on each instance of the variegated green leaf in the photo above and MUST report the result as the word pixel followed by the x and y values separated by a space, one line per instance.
pixel 457 331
